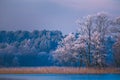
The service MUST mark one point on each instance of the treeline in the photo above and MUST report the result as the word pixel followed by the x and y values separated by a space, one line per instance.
pixel 24 48
pixel 95 44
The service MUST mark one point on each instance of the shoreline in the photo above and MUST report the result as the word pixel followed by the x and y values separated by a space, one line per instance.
pixel 59 70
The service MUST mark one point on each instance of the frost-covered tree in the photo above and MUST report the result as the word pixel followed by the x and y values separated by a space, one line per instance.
pixel 86 29
pixel 64 53
pixel 95 28
pixel 72 51
pixel 89 46
pixel 116 46
pixel 79 46
pixel 26 45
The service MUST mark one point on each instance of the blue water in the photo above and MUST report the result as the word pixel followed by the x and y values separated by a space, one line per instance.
pixel 59 76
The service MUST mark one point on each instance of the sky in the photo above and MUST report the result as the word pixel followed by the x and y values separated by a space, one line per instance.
pixel 51 14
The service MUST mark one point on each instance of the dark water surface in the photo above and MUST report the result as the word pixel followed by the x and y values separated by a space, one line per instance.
pixel 59 76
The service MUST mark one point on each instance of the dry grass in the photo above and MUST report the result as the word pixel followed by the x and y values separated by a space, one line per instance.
pixel 58 70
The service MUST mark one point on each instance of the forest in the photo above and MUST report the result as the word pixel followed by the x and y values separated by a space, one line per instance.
pixel 96 43
pixel 24 48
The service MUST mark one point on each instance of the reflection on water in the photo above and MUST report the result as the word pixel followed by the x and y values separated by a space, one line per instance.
pixel 59 76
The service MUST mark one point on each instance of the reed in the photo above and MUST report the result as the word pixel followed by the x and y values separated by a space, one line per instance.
pixel 58 70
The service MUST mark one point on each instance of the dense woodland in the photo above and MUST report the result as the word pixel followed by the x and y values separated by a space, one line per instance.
pixel 95 44
pixel 23 48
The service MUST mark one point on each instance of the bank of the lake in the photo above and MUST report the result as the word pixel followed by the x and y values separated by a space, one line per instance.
pixel 59 70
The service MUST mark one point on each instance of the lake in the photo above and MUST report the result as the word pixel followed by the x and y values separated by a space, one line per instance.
pixel 59 76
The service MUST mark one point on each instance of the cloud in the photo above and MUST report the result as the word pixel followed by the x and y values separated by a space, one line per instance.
pixel 88 4
pixel 50 14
